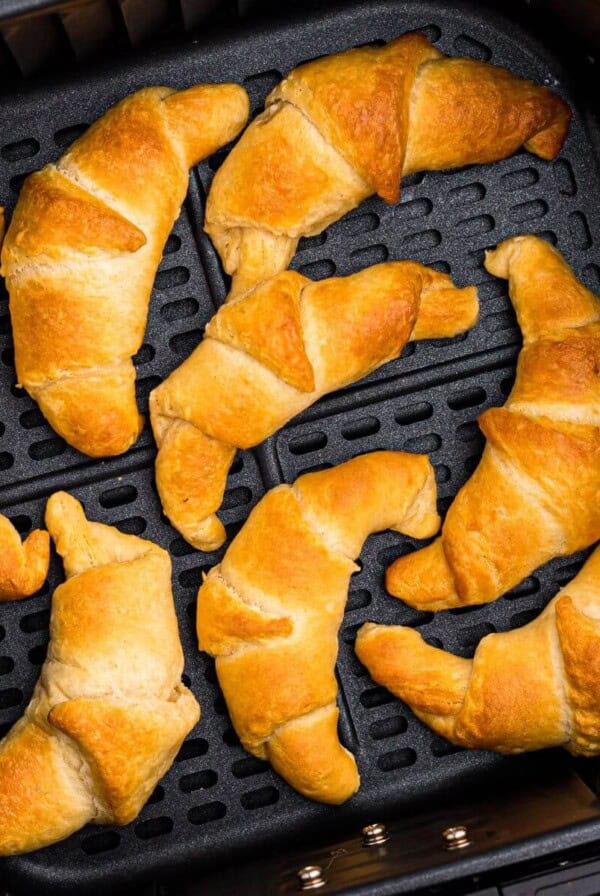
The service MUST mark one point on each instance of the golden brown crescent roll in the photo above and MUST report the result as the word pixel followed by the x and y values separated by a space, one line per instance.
pixel 23 565
pixel 270 354
pixel 83 247
pixel 343 127
pixel 109 711
pixel 271 610
pixel 536 492
pixel 534 687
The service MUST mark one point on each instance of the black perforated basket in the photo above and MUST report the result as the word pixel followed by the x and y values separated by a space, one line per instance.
pixel 217 803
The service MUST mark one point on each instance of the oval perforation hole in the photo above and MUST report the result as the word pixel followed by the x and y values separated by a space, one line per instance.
pixel 133 525
pixel 421 241
pixel 180 548
pixel 468 193
pixel 66 136
pixel 179 310
pixel 220 706
pixel 414 208
pixel 522 618
pixel 472 635
pixel 16 182
pixel 390 727
pixel 2 633
pixel 32 419
pixel 171 277
pixel 528 586
pixel 358 599
pixel 6 460
pixel 249 766
pixel 236 497
pixel 35 622
pixel 442 473
pixel 154 827
pixel 46 449
pixel 475 225
pixel 116 497
pixel 525 211
pixel 21 522
pixel 520 179
pixel 4 324
pixel 157 795
pixel 564 177
pixel 370 255
pixel 191 749
pixel 501 320
pixel 348 634
pixel 549 236
pixel 263 82
pixel 376 697
pixel 307 442
pixel 185 343
pixel 468 46
pixel 426 444
pixel 364 222
pixel 591 275
pixel 469 432
pixel 198 781
pixel 207 813
pixel 37 654
pixel 260 798
pixel 230 738
pixel 22 149
pixel 10 697
pixel 311 242
pixel 191 578
pixel 506 385
pixel 360 429
pixel 580 230
pixel 7 664
pixel 395 759
pixel 172 245
pixel 145 354
pixel 414 413
pixel 318 270
pixel 8 359
pixel 103 842
pixel 467 398
pixel 432 32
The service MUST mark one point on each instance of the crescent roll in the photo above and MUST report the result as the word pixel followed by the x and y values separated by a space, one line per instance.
pixel 109 711
pixel 23 565
pixel 268 355
pixel 537 686
pixel 83 248
pixel 271 610
pixel 536 492
pixel 343 127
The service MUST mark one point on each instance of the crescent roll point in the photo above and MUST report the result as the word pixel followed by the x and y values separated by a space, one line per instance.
pixel 271 610
pixel 109 711
pixel 535 687
pixel 346 126
pixel 23 565
pixel 271 353
pixel 536 492
pixel 83 248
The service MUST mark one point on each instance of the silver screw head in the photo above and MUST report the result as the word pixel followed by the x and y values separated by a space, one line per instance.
pixel 311 877
pixel 375 835
pixel 456 837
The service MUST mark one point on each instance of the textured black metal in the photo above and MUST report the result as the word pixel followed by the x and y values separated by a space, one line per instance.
pixel 217 803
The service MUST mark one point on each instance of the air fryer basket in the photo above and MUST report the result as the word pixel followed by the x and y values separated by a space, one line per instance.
pixel 218 803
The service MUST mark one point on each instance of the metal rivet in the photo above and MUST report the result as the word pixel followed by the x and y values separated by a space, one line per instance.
pixel 456 837
pixel 311 877
pixel 375 835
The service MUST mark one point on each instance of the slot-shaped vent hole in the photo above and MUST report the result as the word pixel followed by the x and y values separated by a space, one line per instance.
pixel 318 270
pixel 154 827
pixel 414 208
pixel 469 432
pixel 191 749
pixel 395 759
pixel 32 419
pixel 564 177
pixel 260 798
pixel 432 32
pixel 157 795
pixel 145 354
pixel 191 578
pixel 66 136
pixel 528 586
pixel 376 697
pixel 426 444
pixel 307 442
pixel 35 622
pixel 442 473
pixel 249 766
pixel 180 548
pixel 500 321
pixel 475 225
pixel 2 633
pixel 37 654
pixel 441 747
pixel 18 180
pixel 311 242
pixel 230 738
pixel 363 258
pixel 420 242
pixel 360 429
pixel 116 497
pixel 21 522
pixel 349 633
pixel 520 179
pixel 471 463
pixel 522 618
pixel 10 697
pixel 468 193
pixel 198 781
pixel 8 359
pixel 7 664
pixel 263 82
pixel 144 387
pixel 472 635
pixel 172 245
pixel 45 449
pixel 390 727
pixel 207 813
pixel 171 277
pixel 365 222
pixel 580 230
pixel 185 343
pixel 414 413
pixel 549 236
pixel 103 842
pixel 506 384
pixel 358 599
pixel 236 497
pixel 22 149
pixel 232 529
pixel 220 706
pixel 4 324
pixel 591 275
pixel 467 398
pixel 6 460
pixel 179 310
pixel 132 525
pixel 468 46
pixel 525 211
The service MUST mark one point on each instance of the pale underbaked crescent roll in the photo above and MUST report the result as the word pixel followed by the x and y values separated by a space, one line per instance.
pixel 271 610
pixel 273 352
pixel 536 492
pixel 534 687
pixel 109 711
pixel 346 126
pixel 83 247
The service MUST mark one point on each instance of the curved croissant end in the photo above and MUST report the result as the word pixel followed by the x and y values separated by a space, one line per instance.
pixel 83 248
pixel 109 712
pixel 345 126
pixel 527 689
pixel 275 351
pixel 535 493
pixel 271 610
pixel 23 565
